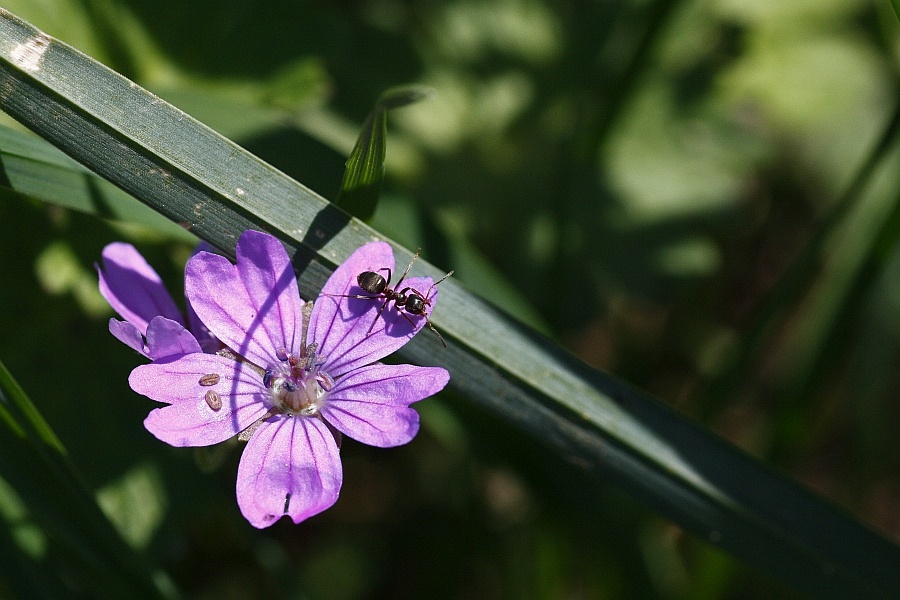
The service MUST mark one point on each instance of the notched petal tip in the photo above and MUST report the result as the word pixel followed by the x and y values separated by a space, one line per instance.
pixel 254 306
pixel 374 256
pixel 167 338
pixel 290 467
pixel 129 335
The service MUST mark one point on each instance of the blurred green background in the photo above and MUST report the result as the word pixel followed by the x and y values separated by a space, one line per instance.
pixel 660 186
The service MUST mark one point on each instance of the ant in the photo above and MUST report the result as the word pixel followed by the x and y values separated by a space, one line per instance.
pixel 407 298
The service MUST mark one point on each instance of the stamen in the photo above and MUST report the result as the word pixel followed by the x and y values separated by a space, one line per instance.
pixel 305 314
pixel 230 354
pixel 267 378
pixel 281 354
pixel 310 357
pixel 249 431
pixel 325 381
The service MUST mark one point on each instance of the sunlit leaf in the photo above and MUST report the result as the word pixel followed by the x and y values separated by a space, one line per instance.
pixel 365 167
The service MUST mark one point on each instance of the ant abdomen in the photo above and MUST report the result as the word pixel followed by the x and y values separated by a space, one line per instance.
pixel 372 282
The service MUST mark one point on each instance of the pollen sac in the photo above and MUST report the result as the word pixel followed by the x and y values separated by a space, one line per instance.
pixel 267 378
pixel 281 354
pixel 311 357
pixel 325 381
pixel 209 379
pixel 214 400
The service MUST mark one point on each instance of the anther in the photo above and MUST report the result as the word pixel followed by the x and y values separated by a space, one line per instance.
pixel 325 381
pixel 213 400
pixel 209 379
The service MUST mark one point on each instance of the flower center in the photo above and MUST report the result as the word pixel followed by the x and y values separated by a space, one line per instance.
pixel 295 383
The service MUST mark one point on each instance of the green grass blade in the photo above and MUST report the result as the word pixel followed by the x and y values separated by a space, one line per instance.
pixel 365 167
pixel 193 176
pixel 34 462
pixel 31 167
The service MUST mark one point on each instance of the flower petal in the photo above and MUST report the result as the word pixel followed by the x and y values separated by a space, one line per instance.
pixel 208 342
pixel 349 331
pixel 192 419
pixel 203 335
pixel 292 467
pixel 129 335
pixel 133 288
pixel 268 276
pixel 254 307
pixel 166 338
pixel 371 404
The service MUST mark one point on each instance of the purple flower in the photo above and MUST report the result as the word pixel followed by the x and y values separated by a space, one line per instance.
pixel 153 325
pixel 297 379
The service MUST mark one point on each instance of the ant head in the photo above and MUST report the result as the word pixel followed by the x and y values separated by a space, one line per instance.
pixel 416 303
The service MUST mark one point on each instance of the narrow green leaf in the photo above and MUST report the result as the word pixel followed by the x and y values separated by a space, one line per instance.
pixel 34 462
pixel 31 167
pixel 192 175
pixel 365 167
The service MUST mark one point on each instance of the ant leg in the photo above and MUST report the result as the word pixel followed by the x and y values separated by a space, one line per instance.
pixel 381 310
pixel 436 332
pixel 350 296
pixel 375 320
pixel 414 292
pixel 406 316
pixel 408 267
pixel 427 302
pixel 418 294
pixel 434 285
